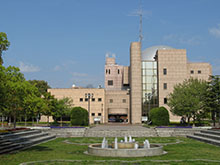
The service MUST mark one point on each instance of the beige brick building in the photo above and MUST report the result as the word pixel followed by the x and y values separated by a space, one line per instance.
pixel 131 91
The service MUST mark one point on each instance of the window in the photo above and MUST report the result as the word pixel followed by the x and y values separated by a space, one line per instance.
pixel 99 99
pixel 110 82
pixel 165 71
pixel 93 99
pixel 165 100
pixel 192 71
pixel 111 100
pixel 86 99
pixel 118 71
pixel 124 100
pixel 109 71
pixel 93 114
pixel 164 85
pixel 81 99
pixel 106 71
pixel 99 114
pixel 199 71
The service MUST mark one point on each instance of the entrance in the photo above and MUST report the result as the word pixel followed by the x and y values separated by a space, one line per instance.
pixel 117 118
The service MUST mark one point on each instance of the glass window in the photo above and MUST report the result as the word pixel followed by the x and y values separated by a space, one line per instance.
pixel 111 100
pixel 93 114
pixel 143 65
pixel 118 71
pixel 93 99
pixel 124 100
pixel 199 71
pixel 192 71
pixel 99 99
pixel 149 72
pixel 86 99
pixel 110 82
pixel 164 71
pixel 164 85
pixel 81 99
pixel 149 65
pixel 99 114
pixel 165 100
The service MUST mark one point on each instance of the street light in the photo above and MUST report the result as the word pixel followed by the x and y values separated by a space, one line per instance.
pixel 88 96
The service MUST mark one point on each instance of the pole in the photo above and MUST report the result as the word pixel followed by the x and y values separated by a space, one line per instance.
pixel 89 108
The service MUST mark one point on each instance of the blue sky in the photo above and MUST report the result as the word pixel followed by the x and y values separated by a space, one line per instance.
pixel 65 41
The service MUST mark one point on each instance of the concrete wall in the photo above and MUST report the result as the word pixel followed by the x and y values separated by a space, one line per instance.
pixel 135 82
pixel 75 95
pixel 117 106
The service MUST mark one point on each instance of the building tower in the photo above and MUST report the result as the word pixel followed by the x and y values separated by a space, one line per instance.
pixel 135 83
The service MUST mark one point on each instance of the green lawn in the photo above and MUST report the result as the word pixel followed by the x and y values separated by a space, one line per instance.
pixel 187 151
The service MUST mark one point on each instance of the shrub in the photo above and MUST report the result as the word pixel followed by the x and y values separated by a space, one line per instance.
pixel 79 116
pixel 159 116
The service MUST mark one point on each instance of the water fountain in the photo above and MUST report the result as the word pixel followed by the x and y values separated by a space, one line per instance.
pixel 125 148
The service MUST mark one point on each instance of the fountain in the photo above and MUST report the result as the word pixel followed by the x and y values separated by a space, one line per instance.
pixel 125 148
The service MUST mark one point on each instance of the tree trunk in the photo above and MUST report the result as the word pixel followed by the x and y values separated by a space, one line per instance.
pixel 61 121
pixel 213 118
pixel 15 121
pixel 32 121
pixel 2 122
pixel 47 120
pixel 188 121
pixel 9 121
pixel 25 120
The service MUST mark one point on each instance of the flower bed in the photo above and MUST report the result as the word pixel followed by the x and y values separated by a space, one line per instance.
pixel 174 127
pixel 6 131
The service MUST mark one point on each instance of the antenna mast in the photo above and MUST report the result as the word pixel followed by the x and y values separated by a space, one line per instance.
pixel 140 28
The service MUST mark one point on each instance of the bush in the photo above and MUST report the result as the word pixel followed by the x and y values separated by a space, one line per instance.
pixel 159 116
pixel 79 117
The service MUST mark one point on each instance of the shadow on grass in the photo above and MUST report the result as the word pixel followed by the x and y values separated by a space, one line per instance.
pixel 39 148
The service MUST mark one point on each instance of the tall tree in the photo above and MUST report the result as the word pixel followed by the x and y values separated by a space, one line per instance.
pixel 186 99
pixel 41 85
pixel 4 44
pixel 212 98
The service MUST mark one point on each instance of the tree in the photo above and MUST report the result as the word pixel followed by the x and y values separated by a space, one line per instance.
pixel 79 116
pixel 212 97
pixel 4 44
pixel 62 108
pixel 159 116
pixel 41 85
pixel 187 99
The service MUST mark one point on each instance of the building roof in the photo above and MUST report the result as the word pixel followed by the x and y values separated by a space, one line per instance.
pixel 149 53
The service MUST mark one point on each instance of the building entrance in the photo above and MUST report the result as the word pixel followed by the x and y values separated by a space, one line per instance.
pixel 117 118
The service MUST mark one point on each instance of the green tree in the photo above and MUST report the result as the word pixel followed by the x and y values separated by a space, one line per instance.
pixel 212 98
pixel 4 44
pixel 62 108
pixel 41 85
pixel 79 116
pixel 159 116
pixel 187 99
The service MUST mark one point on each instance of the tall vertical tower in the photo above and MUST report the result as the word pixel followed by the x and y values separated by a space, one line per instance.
pixel 135 82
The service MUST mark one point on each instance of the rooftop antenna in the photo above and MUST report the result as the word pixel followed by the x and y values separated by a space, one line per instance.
pixel 140 13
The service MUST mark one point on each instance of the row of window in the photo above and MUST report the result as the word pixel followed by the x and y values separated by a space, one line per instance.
pixel 93 99
pixel 108 71
pixel 99 114
pixel 111 100
pixel 199 72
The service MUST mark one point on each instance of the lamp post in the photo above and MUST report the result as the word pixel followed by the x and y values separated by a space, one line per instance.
pixel 148 96
pixel 88 96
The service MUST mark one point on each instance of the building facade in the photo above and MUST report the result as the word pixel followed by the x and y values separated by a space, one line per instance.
pixel 132 91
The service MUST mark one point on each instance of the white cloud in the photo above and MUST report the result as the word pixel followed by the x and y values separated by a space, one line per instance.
pixel 183 39
pixel 28 67
pixel 64 65
pixel 215 31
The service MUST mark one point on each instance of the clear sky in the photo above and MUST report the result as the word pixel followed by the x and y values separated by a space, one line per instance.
pixel 65 41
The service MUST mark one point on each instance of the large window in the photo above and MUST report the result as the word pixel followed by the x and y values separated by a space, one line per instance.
pixel 110 82
pixel 149 86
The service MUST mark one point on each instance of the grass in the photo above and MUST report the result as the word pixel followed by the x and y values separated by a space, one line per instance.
pixel 186 152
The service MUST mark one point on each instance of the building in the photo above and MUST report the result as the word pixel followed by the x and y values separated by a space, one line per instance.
pixel 131 91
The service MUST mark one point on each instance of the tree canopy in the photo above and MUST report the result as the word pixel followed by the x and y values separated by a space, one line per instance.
pixel 187 99
pixel 4 44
